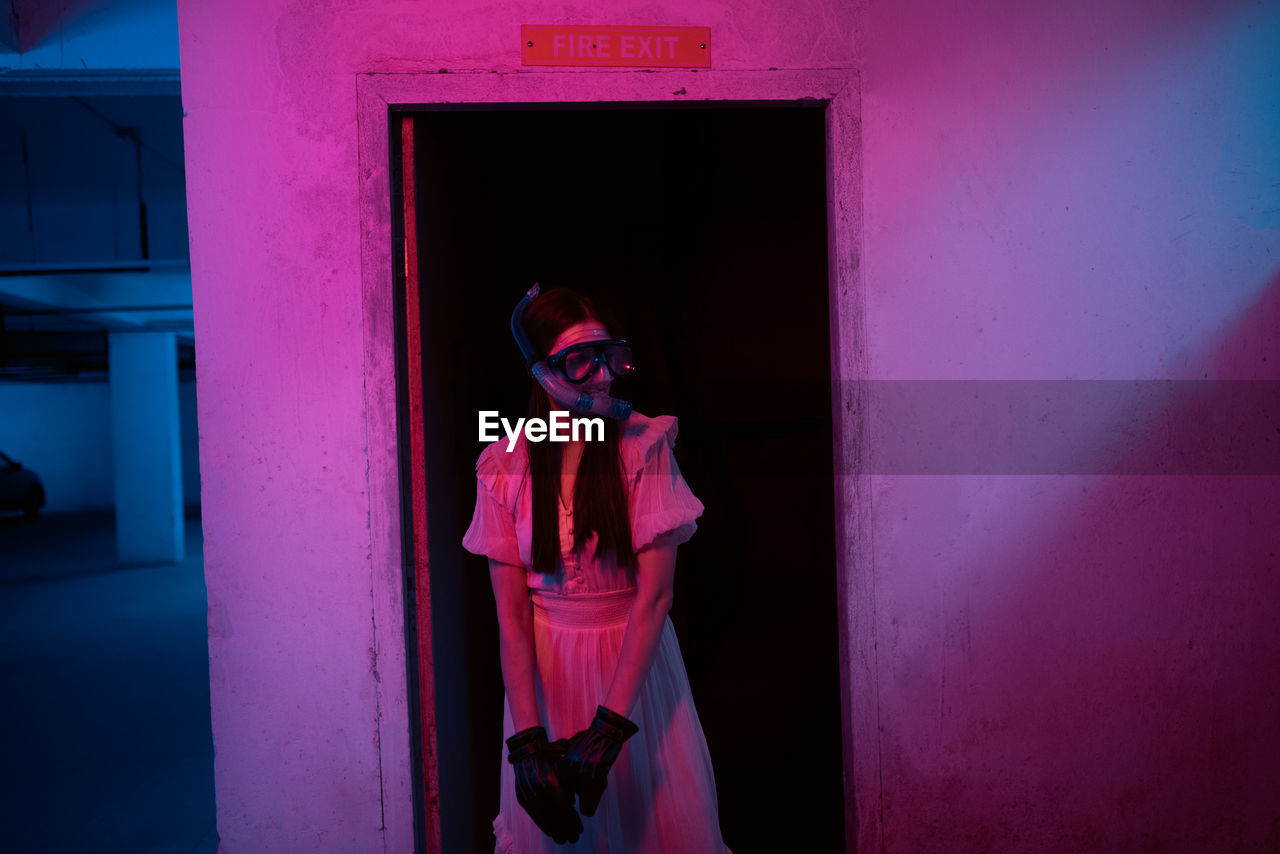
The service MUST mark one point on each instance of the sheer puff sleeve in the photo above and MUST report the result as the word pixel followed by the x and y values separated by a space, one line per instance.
pixel 493 525
pixel 661 501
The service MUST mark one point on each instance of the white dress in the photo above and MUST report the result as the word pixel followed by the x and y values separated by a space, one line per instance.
pixel 661 795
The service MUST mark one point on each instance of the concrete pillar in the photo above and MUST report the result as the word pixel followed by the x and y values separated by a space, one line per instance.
pixel 148 447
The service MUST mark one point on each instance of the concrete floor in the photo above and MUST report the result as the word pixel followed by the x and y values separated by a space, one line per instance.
pixel 105 703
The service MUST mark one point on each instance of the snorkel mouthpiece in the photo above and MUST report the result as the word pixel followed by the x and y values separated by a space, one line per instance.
pixel 568 396
pixel 554 384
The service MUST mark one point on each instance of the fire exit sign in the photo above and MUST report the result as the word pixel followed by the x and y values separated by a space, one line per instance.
pixel 569 44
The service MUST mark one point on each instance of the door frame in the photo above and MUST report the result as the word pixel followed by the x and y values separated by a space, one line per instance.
pixel 380 98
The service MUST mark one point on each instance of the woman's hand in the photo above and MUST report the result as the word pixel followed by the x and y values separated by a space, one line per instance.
pixel 541 783
pixel 592 753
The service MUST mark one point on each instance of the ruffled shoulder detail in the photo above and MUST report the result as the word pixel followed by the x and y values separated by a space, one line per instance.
pixel 498 476
pixel 644 437
pixel 662 505
pixel 500 471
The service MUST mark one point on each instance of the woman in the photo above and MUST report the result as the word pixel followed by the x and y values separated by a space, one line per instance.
pixel 581 539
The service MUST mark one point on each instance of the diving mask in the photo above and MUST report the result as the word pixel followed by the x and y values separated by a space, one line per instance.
pixel 578 360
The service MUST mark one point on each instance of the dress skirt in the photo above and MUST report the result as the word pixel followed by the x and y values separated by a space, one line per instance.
pixel 661 796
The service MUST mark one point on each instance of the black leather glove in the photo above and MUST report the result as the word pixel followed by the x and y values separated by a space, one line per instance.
pixel 541 785
pixel 592 753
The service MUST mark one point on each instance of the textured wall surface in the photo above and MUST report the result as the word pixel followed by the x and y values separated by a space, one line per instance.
pixel 271 141
pixel 1080 662
pixel 1077 650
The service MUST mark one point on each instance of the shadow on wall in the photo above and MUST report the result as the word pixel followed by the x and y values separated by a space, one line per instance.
pixel 925 46
pixel 1031 84
pixel 1105 677
pixel 27 24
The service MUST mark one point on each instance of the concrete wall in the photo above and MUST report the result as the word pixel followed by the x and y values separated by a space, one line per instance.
pixel 300 683
pixel 1076 661
pixel 63 432
pixel 1072 658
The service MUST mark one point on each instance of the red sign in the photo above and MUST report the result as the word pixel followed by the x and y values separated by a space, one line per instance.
pixel 571 44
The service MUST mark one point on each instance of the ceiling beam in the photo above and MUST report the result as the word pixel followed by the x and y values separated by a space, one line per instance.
pixel 135 300
pixel 38 83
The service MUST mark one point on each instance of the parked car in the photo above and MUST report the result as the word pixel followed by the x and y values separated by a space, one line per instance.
pixel 20 488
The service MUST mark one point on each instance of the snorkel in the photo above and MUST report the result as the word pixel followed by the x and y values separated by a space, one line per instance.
pixel 555 385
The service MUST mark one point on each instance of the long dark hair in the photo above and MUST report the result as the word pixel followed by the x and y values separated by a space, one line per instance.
pixel 599 495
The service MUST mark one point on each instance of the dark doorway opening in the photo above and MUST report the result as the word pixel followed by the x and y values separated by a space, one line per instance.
pixel 703 228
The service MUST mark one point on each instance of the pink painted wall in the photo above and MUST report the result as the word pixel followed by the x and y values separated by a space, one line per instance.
pixel 309 718
pixel 1085 191
pixel 1080 661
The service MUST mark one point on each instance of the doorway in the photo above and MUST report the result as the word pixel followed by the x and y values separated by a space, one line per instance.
pixel 703 228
